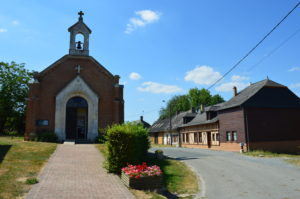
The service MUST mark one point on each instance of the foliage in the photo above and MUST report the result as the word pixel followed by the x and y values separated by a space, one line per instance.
pixel 32 181
pixel 46 136
pixel 127 144
pixel 137 171
pixel 194 98
pixel 159 151
pixel 100 139
pixel 14 79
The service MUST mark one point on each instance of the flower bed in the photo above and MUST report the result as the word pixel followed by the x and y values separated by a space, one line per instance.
pixel 142 177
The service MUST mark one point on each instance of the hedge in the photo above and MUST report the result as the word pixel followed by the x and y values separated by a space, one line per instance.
pixel 127 144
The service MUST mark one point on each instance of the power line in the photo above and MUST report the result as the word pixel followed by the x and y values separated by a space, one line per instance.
pixel 267 35
pixel 274 50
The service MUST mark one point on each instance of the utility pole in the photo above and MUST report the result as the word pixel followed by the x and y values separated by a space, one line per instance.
pixel 170 123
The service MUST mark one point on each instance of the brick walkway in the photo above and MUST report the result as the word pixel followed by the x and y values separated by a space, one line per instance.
pixel 75 171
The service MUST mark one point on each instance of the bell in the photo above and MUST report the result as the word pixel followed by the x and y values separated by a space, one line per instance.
pixel 78 45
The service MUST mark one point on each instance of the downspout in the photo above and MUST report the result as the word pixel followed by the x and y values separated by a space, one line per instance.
pixel 247 129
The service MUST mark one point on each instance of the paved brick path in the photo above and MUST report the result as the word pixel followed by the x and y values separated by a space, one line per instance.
pixel 75 171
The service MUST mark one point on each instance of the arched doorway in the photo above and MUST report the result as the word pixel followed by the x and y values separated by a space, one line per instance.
pixel 76 118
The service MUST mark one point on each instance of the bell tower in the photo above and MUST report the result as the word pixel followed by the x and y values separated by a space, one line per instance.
pixel 79 37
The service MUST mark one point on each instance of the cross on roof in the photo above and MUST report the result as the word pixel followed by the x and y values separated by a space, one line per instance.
pixel 78 68
pixel 80 14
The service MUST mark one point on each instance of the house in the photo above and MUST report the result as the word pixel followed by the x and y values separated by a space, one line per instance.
pixel 76 95
pixel 265 116
pixel 142 122
pixel 166 131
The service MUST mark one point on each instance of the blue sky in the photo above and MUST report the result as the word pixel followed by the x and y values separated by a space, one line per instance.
pixel 161 48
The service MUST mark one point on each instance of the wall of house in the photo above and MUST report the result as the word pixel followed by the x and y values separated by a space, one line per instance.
pixel 292 146
pixel 270 124
pixel 223 146
pixel 274 128
pixel 232 120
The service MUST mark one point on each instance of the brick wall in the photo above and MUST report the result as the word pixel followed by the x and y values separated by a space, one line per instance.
pixel 41 104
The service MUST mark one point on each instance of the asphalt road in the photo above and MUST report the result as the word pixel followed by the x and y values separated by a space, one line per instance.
pixel 228 175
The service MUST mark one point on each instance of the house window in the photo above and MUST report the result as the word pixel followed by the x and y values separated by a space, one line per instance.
pixel 234 138
pixel 183 137
pixel 228 136
pixel 196 138
pixel 187 138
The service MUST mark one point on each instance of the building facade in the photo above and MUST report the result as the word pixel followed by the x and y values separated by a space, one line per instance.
pixel 75 96
pixel 263 116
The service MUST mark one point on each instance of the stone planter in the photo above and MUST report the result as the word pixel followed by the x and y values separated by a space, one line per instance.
pixel 143 183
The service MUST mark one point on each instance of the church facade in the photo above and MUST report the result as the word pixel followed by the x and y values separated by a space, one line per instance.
pixel 75 96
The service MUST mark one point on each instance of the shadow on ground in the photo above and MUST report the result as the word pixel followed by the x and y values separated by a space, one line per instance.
pixel 3 151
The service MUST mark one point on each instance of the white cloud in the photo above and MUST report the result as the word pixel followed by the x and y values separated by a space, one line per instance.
pixel 294 69
pixel 3 30
pixel 154 87
pixel 135 76
pixel 239 78
pixel 227 87
pixel 296 85
pixel 202 75
pixel 143 18
pixel 15 22
pixel 236 80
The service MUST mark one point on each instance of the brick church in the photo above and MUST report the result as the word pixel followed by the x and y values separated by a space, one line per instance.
pixel 75 96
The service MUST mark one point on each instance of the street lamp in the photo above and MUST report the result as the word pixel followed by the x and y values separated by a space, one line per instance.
pixel 170 124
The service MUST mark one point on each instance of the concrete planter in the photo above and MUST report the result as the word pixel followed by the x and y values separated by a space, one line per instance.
pixel 143 183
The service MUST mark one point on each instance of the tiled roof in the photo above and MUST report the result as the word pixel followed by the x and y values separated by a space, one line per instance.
pixel 200 119
pixel 248 92
pixel 176 121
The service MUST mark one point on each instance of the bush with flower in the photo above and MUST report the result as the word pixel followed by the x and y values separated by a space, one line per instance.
pixel 143 170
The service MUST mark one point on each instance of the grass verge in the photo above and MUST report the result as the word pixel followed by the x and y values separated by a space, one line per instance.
pixel 20 161
pixel 179 180
pixel 291 158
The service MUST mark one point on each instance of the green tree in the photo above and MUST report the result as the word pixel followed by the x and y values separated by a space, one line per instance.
pixel 14 80
pixel 194 98
pixel 176 103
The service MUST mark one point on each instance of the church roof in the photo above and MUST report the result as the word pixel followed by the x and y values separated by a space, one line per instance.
pixel 65 57
pixel 78 24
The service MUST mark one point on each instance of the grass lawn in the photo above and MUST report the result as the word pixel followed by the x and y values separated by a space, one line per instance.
pixel 19 161
pixel 178 178
pixel 291 158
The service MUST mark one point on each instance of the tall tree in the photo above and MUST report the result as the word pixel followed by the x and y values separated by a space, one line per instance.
pixel 14 80
pixel 194 98
pixel 175 104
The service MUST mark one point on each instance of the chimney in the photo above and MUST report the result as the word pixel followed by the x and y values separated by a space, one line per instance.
pixel 193 110
pixel 142 118
pixel 202 108
pixel 234 91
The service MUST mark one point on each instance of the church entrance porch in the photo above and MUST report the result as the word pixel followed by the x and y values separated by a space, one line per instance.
pixel 76 119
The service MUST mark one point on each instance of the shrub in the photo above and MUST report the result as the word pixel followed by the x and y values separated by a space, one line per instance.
pixel 127 144
pixel 32 181
pixel 46 136
pixel 100 138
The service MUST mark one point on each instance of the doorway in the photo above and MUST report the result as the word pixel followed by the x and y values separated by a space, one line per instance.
pixel 209 139
pixel 76 118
